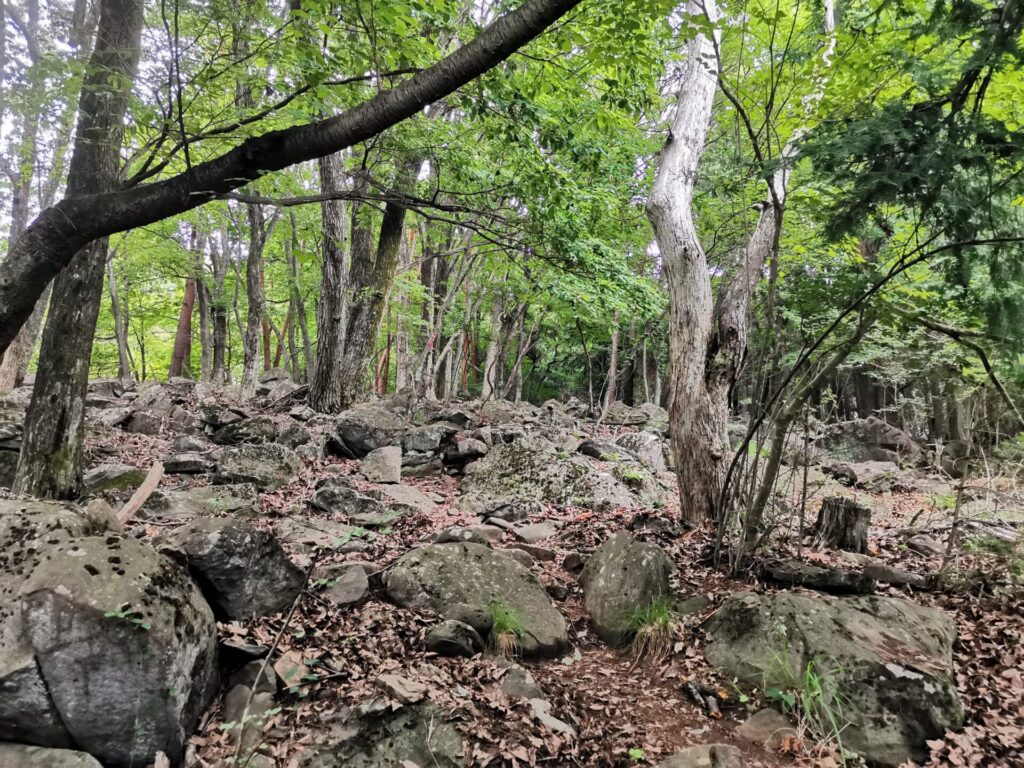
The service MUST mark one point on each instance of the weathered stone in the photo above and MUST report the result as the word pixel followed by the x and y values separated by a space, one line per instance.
pixel 350 588
pixel 187 464
pixel 126 644
pixel 837 581
pixel 705 756
pixel 478 618
pixel 521 556
pixel 517 682
pixel 256 676
pixel 246 711
pixel 144 423
pixel 402 689
pixel 926 545
pixel 541 709
pixel 25 756
pixel 767 728
pixel 309 533
pixel 454 638
pixel 890 660
pixel 294 436
pixel 624 575
pixel 189 444
pixel 457 534
pixel 254 430
pixel 535 532
pixel 435 576
pixel 511 510
pixel 238 499
pixel 268 466
pixel 242 571
pixel 887 574
pixel 408 496
pixel 646 446
pixel 413 735
pixel 574 561
pixel 302 413
pixel 537 553
pixel 532 470
pixel 383 465
pixel 114 479
pixel 366 428
pixel 429 438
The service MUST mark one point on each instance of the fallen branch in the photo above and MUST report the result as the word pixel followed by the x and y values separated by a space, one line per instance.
pixel 153 478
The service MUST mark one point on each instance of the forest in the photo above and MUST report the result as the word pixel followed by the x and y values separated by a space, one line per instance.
pixel 446 383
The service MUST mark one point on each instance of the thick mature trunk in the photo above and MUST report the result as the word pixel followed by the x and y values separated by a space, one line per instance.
pixel 325 384
pixel 124 357
pixel 182 350
pixel 370 277
pixel 254 295
pixel 697 420
pixel 50 463
pixel 58 233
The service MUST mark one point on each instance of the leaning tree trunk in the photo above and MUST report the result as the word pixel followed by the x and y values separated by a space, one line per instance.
pixel 50 463
pixel 698 424
pixel 182 350
pixel 325 385
pixel 843 524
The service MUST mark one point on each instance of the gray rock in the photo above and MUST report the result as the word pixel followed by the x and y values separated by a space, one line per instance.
pixel 413 735
pixel 268 466
pixel 511 510
pixel 541 709
pixel 25 756
pixel 302 413
pixel 383 465
pixel 187 464
pixel 517 682
pixel 521 556
pixel 255 676
pixel 435 576
pixel 113 479
pixel 624 575
pixel 535 532
pixel 254 430
pixel 408 496
pixel 189 444
pixel 454 638
pixel 366 428
pixel 887 574
pixel 309 533
pixel 242 571
pixel 767 728
pixel 458 533
pixel 145 423
pixel 537 553
pixel 429 438
pixel 126 644
pixel 890 659
pixel 232 499
pixel 838 581
pixel 294 435
pixel 532 470
pixel 478 618
pixel 646 446
pixel 926 545
pixel 705 756
pixel 350 588
pixel 246 711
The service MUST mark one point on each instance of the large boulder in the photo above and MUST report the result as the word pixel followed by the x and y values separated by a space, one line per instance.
pixel 886 663
pixel 873 439
pixel 242 570
pixel 622 577
pixel 383 465
pixel 436 576
pixel 28 531
pixel 126 645
pixel 365 428
pixel 267 466
pixel 337 496
pixel 113 479
pixel 646 446
pixel 532 469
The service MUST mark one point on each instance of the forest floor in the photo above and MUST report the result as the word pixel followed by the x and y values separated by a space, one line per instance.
pixel 625 713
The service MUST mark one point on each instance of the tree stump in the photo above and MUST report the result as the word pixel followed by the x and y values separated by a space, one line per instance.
pixel 842 524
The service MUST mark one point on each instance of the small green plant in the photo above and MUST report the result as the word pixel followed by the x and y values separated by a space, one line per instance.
pixel 507 631
pixel 653 628
pixel 813 697
pixel 943 500
pixel 132 617
pixel 637 755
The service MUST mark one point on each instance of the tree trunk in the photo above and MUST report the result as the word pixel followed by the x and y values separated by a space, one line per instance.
pixel 299 304
pixel 370 278
pixel 698 423
pixel 50 463
pixel 611 391
pixel 219 313
pixel 124 356
pixel 491 362
pixel 254 296
pixel 183 337
pixel 325 385
pixel 843 524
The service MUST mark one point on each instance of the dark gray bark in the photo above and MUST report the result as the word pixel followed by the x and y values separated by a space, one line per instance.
pixel 50 463
pixel 124 365
pixel 58 233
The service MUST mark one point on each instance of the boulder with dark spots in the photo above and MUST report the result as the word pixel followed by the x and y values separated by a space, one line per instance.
pixel 365 428
pixel 253 430
pixel 242 571
pixel 267 466
pixel 648 447
pixel 889 659
pixel 622 577
pixel 533 470
pixel 126 644
pixel 337 496
pixel 437 575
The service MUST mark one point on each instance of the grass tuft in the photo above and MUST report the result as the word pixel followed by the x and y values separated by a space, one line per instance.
pixel 654 628
pixel 507 632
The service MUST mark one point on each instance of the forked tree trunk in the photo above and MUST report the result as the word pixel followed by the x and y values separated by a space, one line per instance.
pixel 697 420
pixel 843 524
pixel 50 463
